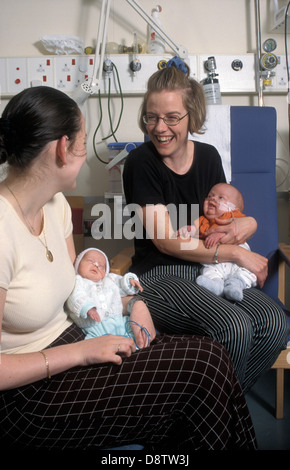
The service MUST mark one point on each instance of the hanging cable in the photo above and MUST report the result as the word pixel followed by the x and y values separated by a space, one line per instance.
pixel 110 115
pixel 97 128
pixel 113 131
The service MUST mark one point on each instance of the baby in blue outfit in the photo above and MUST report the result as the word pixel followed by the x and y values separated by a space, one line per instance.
pixel 95 304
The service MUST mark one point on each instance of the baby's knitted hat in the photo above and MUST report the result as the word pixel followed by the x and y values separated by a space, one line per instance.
pixel 81 255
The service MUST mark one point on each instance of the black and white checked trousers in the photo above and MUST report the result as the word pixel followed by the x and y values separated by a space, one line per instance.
pixel 253 331
pixel 180 393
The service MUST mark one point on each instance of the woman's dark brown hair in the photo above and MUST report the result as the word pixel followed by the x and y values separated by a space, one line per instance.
pixel 32 119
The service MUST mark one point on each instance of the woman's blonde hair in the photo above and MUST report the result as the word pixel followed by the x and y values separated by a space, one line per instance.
pixel 174 79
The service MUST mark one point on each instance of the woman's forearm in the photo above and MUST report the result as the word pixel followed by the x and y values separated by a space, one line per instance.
pixel 21 369
pixel 195 251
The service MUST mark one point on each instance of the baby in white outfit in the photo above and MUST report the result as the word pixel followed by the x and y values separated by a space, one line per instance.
pixel 95 304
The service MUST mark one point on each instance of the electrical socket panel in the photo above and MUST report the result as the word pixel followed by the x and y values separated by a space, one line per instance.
pixel 40 71
pixel 70 71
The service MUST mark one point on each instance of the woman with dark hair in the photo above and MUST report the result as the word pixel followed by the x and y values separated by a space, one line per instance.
pixel 59 391
pixel 172 171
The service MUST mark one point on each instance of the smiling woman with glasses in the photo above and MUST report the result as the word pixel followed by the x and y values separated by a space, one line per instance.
pixel 172 171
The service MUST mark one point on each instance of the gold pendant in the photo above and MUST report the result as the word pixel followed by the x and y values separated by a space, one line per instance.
pixel 49 255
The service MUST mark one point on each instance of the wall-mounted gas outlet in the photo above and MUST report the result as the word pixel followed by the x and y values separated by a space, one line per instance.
pixel 235 73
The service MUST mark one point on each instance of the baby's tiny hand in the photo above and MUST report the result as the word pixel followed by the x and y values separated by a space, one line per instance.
pixel 135 283
pixel 93 314
pixel 212 239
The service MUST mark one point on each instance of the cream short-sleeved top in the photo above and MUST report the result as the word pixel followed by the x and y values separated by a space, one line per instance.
pixel 37 289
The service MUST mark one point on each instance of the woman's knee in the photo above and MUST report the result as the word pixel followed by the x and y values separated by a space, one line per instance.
pixel 267 317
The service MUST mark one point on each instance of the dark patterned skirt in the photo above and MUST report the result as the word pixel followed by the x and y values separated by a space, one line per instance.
pixel 181 393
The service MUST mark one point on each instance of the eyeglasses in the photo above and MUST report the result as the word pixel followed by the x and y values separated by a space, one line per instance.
pixel 152 119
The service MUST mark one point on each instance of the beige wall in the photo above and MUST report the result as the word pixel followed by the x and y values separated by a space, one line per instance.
pixel 203 26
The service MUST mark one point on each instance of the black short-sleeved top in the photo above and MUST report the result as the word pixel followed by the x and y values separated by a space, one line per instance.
pixel 147 180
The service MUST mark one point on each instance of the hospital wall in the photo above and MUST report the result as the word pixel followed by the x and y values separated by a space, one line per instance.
pixel 204 27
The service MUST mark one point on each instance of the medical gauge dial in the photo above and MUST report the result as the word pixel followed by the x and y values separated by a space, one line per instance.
pixel 269 61
pixel 269 45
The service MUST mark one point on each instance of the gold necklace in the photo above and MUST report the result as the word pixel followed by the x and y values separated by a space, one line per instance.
pixel 49 255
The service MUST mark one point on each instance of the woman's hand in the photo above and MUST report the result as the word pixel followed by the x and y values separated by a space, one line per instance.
pixel 250 260
pixel 257 264
pixel 108 348
pixel 236 231
pixel 140 317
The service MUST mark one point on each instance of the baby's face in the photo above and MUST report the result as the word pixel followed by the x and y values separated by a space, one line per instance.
pixel 220 199
pixel 92 266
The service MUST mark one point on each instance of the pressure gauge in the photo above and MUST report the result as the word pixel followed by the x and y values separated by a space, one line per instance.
pixel 161 64
pixel 269 61
pixel 269 45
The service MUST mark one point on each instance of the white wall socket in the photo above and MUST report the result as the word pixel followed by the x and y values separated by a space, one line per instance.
pixel 40 71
